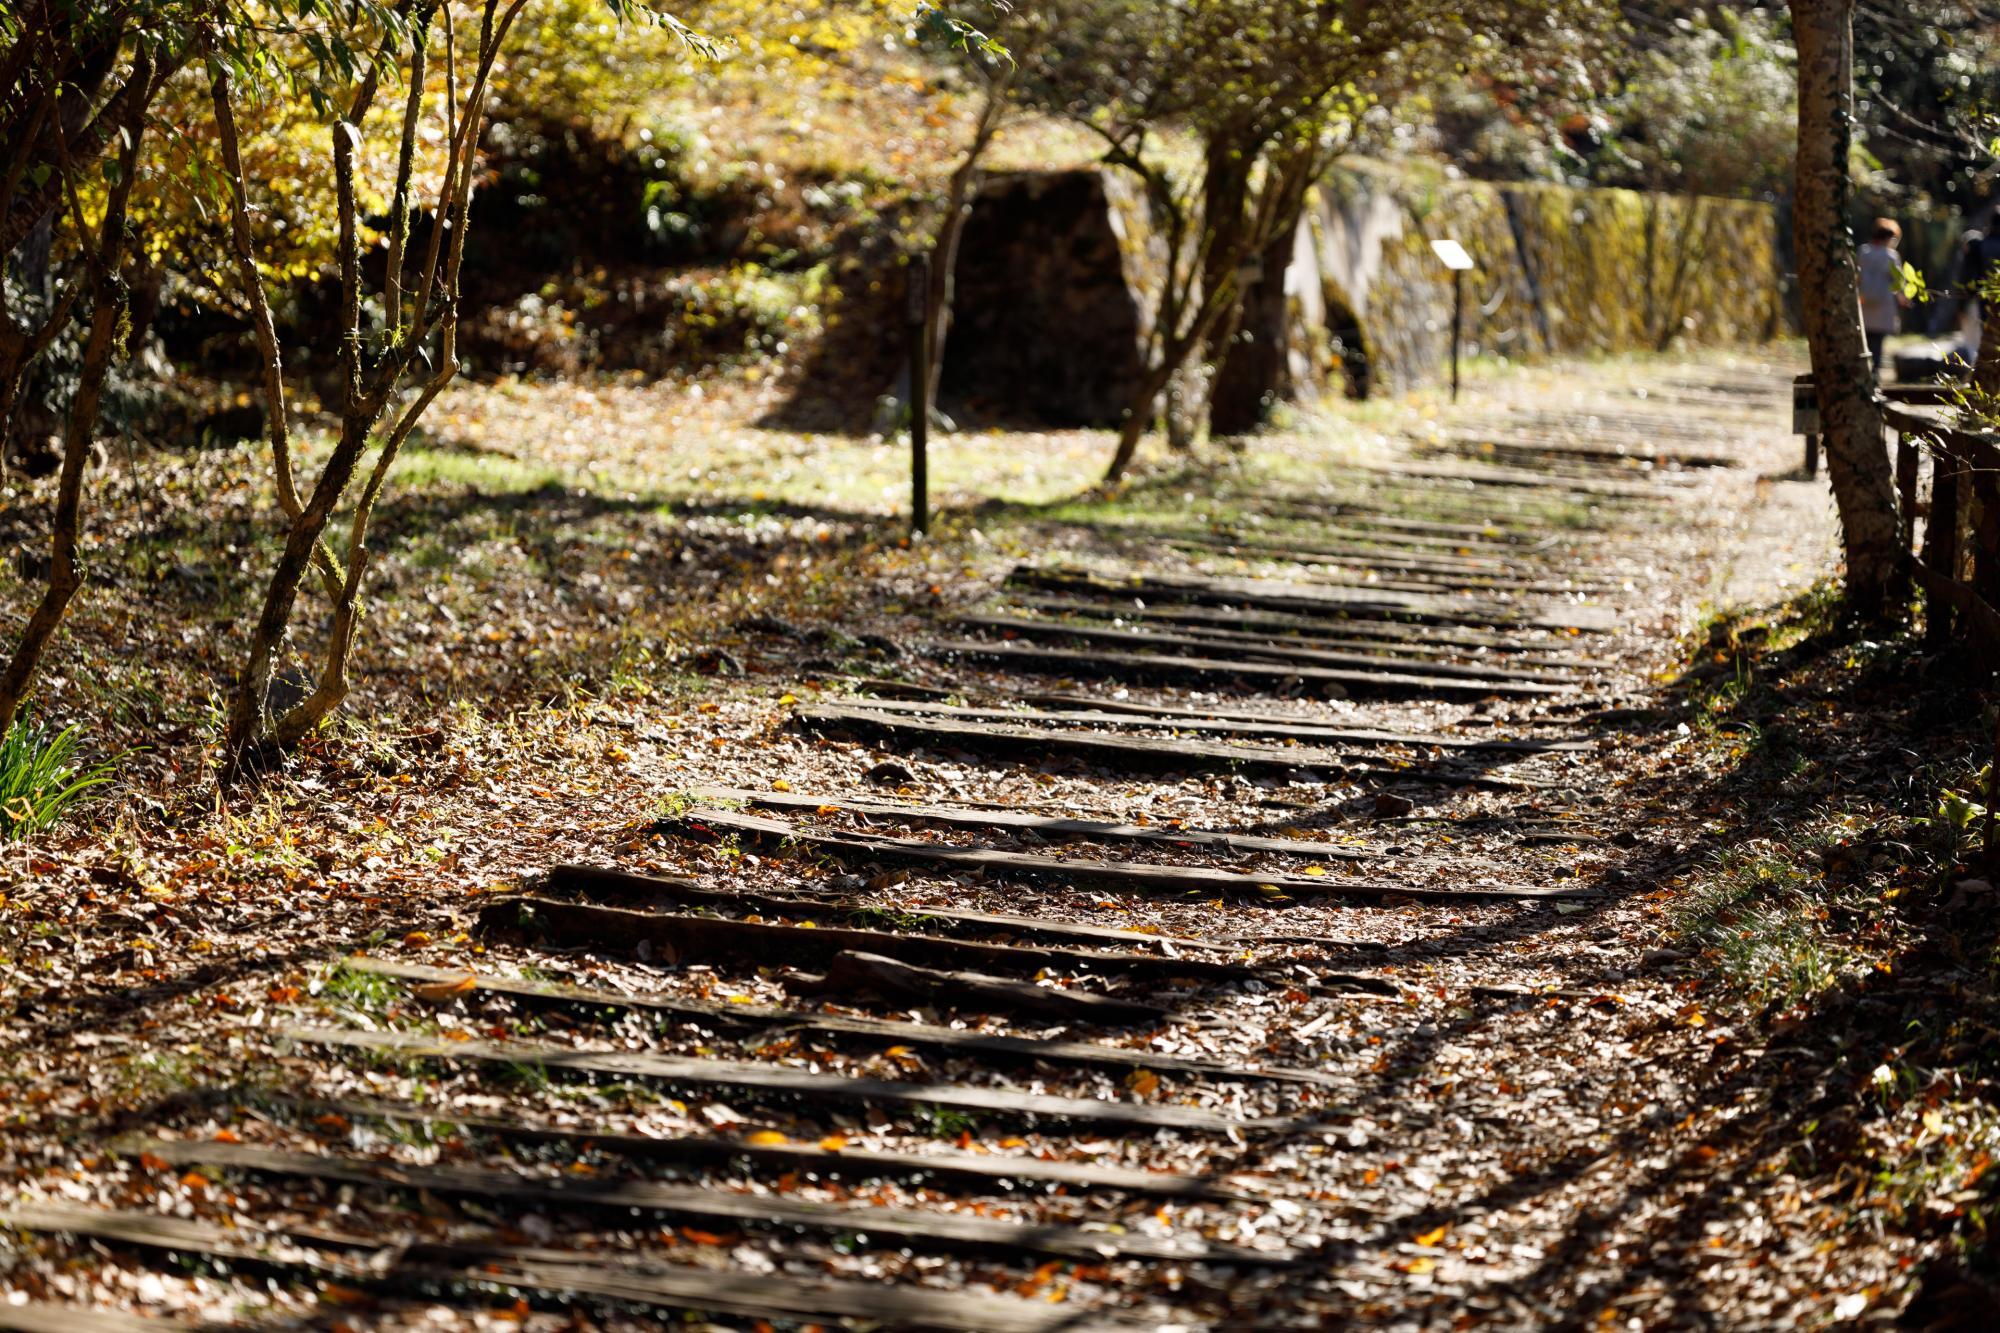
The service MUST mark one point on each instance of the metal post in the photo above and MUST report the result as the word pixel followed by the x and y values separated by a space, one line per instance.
pixel 917 310
pixel 1457 324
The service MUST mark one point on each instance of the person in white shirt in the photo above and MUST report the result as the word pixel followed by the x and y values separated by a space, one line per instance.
pixel 1881 302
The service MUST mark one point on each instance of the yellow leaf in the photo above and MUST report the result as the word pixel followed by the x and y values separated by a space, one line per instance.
pixel 444 992
pixel 1434 1237
pixel 416 939
pixel 833 1143
pixel 1143 1081
pixel 827 810
pixel 781 785
pixel 789 699
pixel 767 1138
pixel 1315 871
pixel 897 1052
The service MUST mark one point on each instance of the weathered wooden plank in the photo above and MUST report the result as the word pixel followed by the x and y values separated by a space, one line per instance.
pixel 1519 454
pixel 1402 559
pixel 605 884
pixel 1358 514
pixel 868 847
pixel 1133 753
pixel 785 1082
pixel 1307 599
pixel 868 1223
pixel 1469 541
pixel 1045 826
pixel 1252 647
pixel 1452 505
pixel 747 938
pixel 1522 478
pixel 1288 665
pixel 1518 445
pixel 855 975
pixel 50 1317
pixel 994 1171
pixel 558 1275
pixel 1396 640
pixel 1346 572
pixel 1086 710
pixel 952 1041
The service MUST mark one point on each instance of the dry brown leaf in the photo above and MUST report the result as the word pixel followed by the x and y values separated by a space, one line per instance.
pixel 444 992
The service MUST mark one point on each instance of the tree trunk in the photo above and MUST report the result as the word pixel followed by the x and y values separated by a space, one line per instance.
pixel 1138 416
pixel 104 257
pixel 65 570
pixel 247 709
pixel 1252 371
pixel 959 196
pixel 1850 417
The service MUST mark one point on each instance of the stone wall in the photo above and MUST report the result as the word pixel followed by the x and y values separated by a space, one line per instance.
pixel 1059 273
pixel 1559 270
pixel 1054 285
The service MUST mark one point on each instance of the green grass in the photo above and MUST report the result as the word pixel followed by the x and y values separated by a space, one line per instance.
pixel 362 991
pixel 1772 925
pixel 942 1122
pixel 42 777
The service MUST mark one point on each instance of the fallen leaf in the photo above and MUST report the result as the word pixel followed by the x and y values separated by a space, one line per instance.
pixel 444 992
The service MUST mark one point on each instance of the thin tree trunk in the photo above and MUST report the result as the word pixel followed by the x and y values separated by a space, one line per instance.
pixel 105 259
pixel 65 572
pixel 1851 419
pixel 965 181
pixel 1138 416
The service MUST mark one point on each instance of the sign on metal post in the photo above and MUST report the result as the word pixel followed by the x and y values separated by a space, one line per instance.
pixel 1454 257
pixel 917 314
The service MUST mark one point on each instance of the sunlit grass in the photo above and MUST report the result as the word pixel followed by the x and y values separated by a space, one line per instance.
pixel 43 777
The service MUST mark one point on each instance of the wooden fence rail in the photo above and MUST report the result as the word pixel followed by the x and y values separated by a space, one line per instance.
pixel 1958 564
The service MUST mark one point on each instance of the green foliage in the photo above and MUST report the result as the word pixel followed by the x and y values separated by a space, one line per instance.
pixel 41 777
pixel 934 26
pixel 1701 102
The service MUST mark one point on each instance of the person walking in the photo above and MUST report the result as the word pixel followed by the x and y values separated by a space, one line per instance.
pixel 1881 303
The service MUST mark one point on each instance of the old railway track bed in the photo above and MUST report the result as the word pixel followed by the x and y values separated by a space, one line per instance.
pixel 1135 954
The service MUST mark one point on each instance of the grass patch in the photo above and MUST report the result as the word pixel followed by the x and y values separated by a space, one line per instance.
pixel 42 778
pixel 365 992
pixel 1774 929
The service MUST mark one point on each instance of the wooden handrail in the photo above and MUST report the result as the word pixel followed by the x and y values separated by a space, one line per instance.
pixel 1961 596
pixel 1942 394
pixel 1976 448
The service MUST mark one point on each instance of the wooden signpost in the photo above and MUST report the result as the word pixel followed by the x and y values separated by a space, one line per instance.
pixel 1456 259
pixel 917 313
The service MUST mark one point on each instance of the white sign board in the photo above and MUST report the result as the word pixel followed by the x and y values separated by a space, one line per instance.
pixel 1453 254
